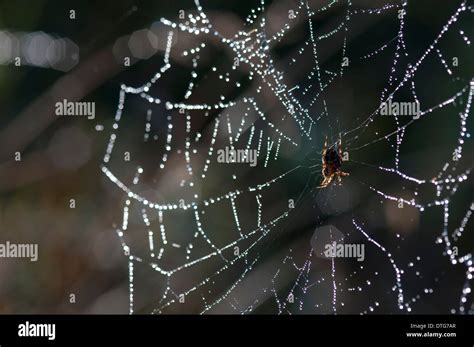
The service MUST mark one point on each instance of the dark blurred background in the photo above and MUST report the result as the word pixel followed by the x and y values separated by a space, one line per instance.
pixel 82 59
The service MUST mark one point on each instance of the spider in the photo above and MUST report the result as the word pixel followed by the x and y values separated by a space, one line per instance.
pixel 332 162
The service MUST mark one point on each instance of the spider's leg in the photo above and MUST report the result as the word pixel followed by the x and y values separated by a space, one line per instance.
pixel 324 149
pixel 324 181
pixel 327 181
pixel 343 174
pixel 323 184
pixel 323 169
pixel 330 179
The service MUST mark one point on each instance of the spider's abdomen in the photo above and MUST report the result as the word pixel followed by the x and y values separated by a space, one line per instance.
pixel 332 160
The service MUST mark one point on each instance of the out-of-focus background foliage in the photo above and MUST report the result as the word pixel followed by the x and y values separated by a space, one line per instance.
pixel 79 252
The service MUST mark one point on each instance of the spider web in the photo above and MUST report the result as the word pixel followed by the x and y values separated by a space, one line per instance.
pixel 202 236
